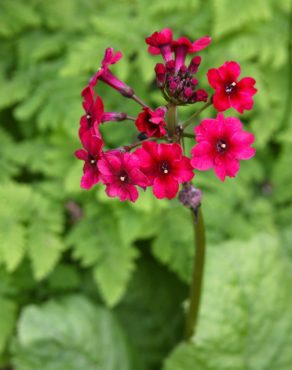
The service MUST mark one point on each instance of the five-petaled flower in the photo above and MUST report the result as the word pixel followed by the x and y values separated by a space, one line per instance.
pixel 160 43
pixel 92 144
pixel 165 167
pixel 120 173
pixel 229 92
pixel 152 122
pixel 221 144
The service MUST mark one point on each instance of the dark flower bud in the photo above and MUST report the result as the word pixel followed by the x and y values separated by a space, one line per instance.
pixel 190 197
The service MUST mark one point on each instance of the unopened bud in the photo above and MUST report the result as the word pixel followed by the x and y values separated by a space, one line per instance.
pixel 190 197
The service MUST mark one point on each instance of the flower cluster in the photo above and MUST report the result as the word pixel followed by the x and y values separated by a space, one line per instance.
pixel 157 159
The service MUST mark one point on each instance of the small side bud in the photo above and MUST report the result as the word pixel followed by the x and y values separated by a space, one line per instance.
pixel 190 197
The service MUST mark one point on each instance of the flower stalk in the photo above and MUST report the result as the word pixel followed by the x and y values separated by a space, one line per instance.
pixel 172 119
pixel 192 117
pixel 197 274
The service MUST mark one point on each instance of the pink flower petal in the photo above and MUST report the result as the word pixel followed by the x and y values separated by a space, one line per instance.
pixel 81 154
pixel 221 101
pixel 165 187
pixel 214 78
pixel 201 44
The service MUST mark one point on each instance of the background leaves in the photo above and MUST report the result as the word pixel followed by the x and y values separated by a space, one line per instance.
pixel 79 260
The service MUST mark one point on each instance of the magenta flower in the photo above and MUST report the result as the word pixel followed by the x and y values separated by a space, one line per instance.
pixel 94 111
pixel 183 46
pixel 120 173
pixel 90 155
pixel 152 122
pixel 221 144
pixel 160 43
pixel 104 74
pixel 229 92
pixel 165 167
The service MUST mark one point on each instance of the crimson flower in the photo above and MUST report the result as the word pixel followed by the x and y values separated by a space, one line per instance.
pixel 165 167
pixel 120 173
pixel 152 122
pixel 94 111
pixel 90 155
pixel 221 144
pixel 160 43
pixel 183 46
pixel 229 92
pixel 104 74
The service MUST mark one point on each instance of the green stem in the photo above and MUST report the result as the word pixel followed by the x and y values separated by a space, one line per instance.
pixel 197 275
pixel 138 100
pixel 190 120
pixel 172 119
pixel 185 134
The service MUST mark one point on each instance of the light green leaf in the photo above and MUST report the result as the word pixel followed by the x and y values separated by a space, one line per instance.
pixel 246 315
pixel 70 334
pixel 97 242
pixel 12 243
pixel 225 21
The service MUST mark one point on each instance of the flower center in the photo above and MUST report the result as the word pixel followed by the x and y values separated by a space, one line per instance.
pixel 124 176
pixel 89 119
pixel 221 146
pixel 164 167
pixel 92 161
pixel 230 88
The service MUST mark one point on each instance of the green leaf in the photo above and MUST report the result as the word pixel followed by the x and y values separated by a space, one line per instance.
pixel 7 320
pixel 15 16
pixel 174 244
pixel 146 310
pixel 45 246
pixel 97 242
pixel 250 11
pixel 12 244
pixel 65 277
pixel 69 334
pixel 246 315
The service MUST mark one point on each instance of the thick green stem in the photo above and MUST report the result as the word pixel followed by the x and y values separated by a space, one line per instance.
pixel 172 119
pixel 197 275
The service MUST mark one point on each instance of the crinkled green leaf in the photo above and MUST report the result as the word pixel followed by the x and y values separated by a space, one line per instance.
pixel 70 334
pixel 246 314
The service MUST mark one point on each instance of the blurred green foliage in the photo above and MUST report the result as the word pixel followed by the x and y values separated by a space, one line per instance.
pixel 87 282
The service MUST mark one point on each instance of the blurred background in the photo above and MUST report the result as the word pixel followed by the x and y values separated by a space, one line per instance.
pixel 88 282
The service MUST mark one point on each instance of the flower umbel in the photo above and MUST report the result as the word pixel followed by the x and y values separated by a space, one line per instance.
pixel 158 158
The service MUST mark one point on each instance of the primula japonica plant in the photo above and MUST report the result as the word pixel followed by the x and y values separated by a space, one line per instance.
pixel 157 159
